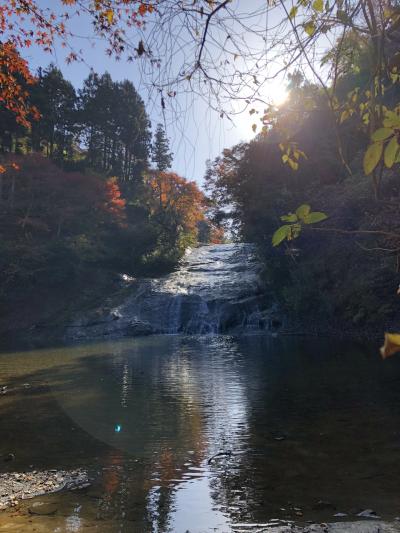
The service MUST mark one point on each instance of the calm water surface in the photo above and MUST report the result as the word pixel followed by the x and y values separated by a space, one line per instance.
pixel 298 421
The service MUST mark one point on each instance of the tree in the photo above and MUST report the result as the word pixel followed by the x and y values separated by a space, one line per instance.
pixel 177 207
pixel 115 127
pixel 56 100
pixel 161 155
pixel 33 24
pixel 15 79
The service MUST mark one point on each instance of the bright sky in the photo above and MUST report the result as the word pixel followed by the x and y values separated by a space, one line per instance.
pixel 197 133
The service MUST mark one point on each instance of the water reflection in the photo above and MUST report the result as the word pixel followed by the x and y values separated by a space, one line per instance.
pixel 202 433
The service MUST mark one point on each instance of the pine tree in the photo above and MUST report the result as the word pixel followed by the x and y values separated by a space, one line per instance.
pixel 161 155
pixel 56 99
pixel 116 127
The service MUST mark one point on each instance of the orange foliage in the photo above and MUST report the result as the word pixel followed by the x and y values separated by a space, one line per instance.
pixel 179 198
pixel 14 74
pixel 114 204
pixel 217 235
pixel 24 23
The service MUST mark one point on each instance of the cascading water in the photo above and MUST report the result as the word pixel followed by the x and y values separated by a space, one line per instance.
pixel 216 288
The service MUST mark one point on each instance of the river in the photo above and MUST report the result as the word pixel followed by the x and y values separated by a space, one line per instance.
pixel 297 422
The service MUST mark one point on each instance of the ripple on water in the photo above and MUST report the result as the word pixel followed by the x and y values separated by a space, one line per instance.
pixel 195 433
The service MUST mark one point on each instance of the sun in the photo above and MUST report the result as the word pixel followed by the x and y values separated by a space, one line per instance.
pixel 247 118
pixel 276 93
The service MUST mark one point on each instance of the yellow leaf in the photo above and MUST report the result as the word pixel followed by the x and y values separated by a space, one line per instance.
pixel 110 15
pixel 344 116
pixel 372 157
pixel 391 345
pixel 309 28
pixel 391 151
pixel 318 5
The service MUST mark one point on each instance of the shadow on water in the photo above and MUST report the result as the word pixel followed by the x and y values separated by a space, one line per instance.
pixel 295 421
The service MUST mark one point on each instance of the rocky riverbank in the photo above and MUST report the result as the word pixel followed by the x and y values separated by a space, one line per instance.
pixel 17 486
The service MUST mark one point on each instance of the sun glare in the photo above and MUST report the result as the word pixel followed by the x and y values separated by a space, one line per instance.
pixel 276 93
pixel 247 120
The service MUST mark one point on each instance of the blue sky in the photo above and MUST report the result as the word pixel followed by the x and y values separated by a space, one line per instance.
pixel 197 133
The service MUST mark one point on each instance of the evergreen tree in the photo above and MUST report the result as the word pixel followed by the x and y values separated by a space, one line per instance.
pixel 116 128
pixel 161 155
pixel 56 100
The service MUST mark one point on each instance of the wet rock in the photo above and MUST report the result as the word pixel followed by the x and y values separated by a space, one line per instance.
pixel 217 288
pixel 322 505
pixel 9 457
pixel 368 513
pixel 43 508
pixel 136 328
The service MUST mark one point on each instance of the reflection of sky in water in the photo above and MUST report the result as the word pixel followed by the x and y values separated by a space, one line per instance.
pixel 217 385
pixel 302 424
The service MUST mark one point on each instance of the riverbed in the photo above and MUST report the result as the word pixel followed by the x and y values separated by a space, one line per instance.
pixel 203 433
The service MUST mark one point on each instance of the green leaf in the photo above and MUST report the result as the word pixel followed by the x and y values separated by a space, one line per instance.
pixel 392 120
pixel 318 5
pixel 309 28
pixel 303 211
pixel 315 216
pixel 281 234
pixel 372 157
pixel 382 134
pixel 291 217
pixel 390 154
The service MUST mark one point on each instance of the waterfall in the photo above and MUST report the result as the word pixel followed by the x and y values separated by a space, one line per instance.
pixel 217 288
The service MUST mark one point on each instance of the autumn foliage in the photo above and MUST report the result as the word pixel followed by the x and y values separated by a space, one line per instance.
pixel 14 79
pixel 25 23
pixel 179 202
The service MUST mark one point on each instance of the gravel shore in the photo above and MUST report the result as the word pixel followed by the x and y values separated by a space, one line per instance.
pixel 16 486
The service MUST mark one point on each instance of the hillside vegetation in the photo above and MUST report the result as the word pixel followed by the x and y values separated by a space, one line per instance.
pixel 86 195
pixel 343 272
